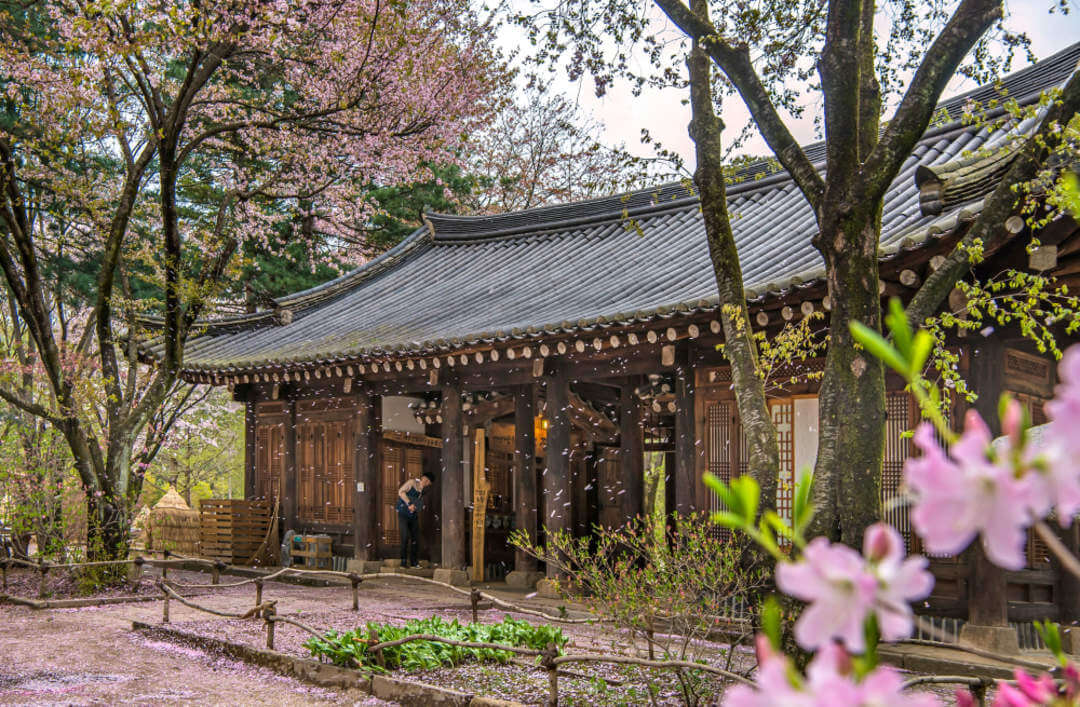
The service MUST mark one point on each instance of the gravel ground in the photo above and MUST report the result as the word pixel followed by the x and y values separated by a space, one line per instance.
pixel 117 666
pixel 90 656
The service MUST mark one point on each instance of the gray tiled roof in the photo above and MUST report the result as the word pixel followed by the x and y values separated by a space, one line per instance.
pixel 557 268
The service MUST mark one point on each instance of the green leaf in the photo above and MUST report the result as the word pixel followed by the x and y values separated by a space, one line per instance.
pixel 1051 636
pixel 728 519
pixel 771 520
pixel 876 344
pixel 771 618
pixel 897 322
pixel 920 352
pixel 747 490
pixel 803 510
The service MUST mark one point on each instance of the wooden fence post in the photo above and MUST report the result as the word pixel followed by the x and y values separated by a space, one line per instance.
pixel 215 572
pixel 269 613
pixel 4 564
pixel 165 567
pixel 474 597
pixel 548 662
pixel 258 592
pixel 43 568
pixel 165 607
pixel 355 579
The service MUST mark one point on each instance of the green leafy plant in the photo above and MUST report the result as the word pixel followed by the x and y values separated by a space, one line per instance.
pixel 353 648
pixel 667 586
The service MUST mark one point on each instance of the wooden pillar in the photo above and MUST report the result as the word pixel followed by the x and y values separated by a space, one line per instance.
pixel 452 480
pixel 685 436
pixel 988 606
pixel 365 476
pixel 249 449
pixel 525 499
pixel 557 490
pixel 631 454
pixel 291 487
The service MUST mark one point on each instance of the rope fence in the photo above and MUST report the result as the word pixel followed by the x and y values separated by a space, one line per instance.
pixel 548 659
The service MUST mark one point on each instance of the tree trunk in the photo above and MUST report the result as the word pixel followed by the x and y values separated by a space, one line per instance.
pixel 108 527
pixel 847 475
pixel 739 347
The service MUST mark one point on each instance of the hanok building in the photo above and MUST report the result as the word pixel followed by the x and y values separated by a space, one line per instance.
pixel 582 338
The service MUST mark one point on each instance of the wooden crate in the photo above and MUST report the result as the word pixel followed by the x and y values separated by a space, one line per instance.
pixel 233 530
pixel 312 551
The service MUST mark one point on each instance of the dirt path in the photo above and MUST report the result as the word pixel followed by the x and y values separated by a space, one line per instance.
pixel 90 656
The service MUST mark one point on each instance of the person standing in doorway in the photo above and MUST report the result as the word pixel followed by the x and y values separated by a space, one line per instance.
pixel 410 501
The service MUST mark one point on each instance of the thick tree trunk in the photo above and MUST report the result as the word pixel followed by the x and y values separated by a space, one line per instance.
pixel 847 475
pixel 108 527
pixel 739 347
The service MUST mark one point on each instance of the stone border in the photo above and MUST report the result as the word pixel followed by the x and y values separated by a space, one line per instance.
pixel 39 604
pixel 405 692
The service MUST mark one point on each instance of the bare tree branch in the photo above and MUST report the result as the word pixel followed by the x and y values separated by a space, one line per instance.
pixel 970 21
pixel 735 62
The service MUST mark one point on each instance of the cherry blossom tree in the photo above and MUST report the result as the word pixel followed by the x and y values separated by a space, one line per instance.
pixel 542 149
pixel 161 136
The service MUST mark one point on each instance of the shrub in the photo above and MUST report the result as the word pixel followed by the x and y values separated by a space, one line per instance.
pixel 351 648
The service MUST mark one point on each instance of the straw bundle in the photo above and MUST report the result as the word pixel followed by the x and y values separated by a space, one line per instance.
pixel 173 525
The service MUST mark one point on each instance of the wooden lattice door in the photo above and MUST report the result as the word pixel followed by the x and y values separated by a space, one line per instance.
pixel 325 471
pixel 783 417
pixel 269 460
pixel 720 454
pixel 898 419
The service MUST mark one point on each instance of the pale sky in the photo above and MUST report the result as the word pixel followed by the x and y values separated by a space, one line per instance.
pixel 666 117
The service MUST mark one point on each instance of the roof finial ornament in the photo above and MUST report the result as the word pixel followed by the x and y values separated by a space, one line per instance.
pixel 283 316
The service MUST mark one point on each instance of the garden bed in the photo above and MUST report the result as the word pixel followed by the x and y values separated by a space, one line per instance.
pixel 519 680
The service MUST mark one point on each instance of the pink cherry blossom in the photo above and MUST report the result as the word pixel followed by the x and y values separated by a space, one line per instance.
pixel 843 588
pixel 975 491
pixel 900 580
pixel 829 682
pixel 1061 473
pixel 836 583
pixel 1027 692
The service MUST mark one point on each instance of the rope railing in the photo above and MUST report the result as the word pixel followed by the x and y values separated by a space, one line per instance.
pixel 550 660
pixel 217 566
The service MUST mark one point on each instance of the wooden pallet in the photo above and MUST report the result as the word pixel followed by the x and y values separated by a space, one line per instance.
pixel 233 530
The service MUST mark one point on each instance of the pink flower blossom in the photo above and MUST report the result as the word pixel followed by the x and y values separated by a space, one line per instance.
pixel 829 682
pixel 1061 472
pixel 900 580
pixel 843 588
pixel 975 491
pixel 1028 691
